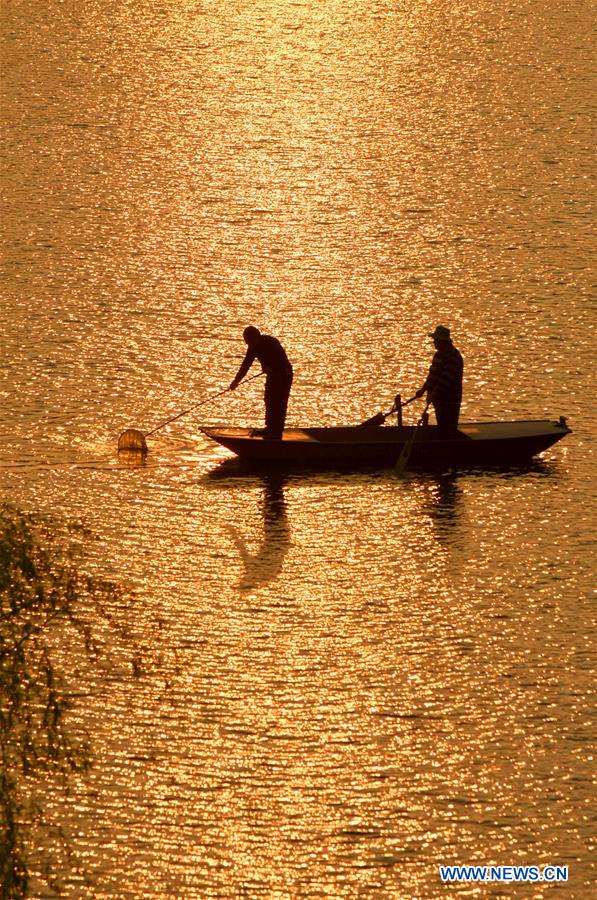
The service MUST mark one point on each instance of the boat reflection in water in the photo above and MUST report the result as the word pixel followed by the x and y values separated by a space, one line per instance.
pixel 442 497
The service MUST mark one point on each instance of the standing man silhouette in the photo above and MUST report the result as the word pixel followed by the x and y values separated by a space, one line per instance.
pixel 444 381
pixel 274 362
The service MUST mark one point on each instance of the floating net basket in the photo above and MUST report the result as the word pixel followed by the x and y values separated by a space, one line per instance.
pixel 134 440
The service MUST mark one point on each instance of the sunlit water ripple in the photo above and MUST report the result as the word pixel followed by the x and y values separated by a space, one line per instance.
pixel 347 679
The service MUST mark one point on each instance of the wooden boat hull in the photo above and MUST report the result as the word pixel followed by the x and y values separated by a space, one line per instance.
pixel 476 444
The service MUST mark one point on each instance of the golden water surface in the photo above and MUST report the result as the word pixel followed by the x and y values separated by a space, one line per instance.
pixel 330 683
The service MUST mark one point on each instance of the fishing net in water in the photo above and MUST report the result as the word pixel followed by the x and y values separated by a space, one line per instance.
pixel 134 440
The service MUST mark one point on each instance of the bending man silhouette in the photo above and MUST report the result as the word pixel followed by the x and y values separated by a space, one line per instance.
pixel 274 362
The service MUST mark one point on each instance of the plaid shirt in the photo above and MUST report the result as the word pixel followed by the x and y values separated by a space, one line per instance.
pixel 444 380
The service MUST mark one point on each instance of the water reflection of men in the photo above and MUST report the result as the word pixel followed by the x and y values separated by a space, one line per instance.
pixel 266 564
pixel 445 509
pixel 274 362
pixel 444 380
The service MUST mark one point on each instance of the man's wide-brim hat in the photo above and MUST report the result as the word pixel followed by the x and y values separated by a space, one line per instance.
pixel 441 333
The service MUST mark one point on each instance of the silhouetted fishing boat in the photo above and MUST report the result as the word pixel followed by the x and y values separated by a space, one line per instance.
pixel 475 444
